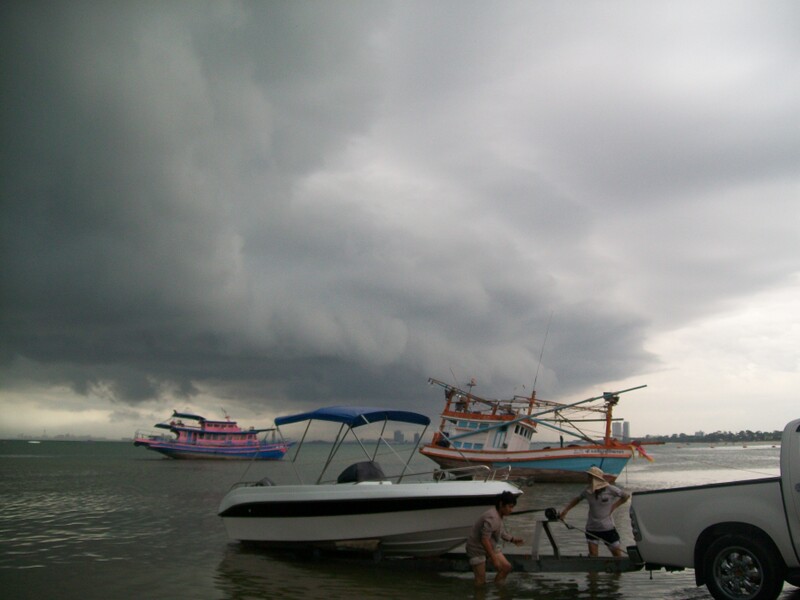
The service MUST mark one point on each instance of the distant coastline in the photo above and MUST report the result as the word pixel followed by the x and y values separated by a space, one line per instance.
pixel 718 437
pixel 64 438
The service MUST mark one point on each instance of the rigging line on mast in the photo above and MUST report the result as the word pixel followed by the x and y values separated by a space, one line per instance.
pixel 455 379
pixel 541 353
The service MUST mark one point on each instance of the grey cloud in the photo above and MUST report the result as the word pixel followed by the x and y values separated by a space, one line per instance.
pixel 296 203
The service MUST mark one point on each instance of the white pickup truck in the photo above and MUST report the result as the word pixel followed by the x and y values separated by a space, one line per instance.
pixel 742 538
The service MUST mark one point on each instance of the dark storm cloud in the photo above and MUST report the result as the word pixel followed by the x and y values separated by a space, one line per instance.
pixel 141 144
pixel 300 202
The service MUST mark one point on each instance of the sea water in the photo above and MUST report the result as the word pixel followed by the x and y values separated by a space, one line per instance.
pixel 106 520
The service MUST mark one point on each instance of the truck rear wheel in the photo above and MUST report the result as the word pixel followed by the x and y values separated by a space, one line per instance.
pixel 742 568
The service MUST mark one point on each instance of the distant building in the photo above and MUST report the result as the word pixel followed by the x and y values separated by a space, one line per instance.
pixel 399 438
pixel 621 431
pixel 416 437
pixel 699 434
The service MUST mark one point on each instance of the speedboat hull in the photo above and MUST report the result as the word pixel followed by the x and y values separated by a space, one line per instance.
pixel 409 519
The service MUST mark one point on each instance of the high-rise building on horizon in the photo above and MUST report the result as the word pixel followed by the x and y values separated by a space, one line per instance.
pixel 621 431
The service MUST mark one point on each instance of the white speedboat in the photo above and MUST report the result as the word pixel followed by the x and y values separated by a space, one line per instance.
pixel 362 508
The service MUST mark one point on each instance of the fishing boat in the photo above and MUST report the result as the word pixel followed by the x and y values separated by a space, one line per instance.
pixel 362 508
pixel 206 438
pixel 500 434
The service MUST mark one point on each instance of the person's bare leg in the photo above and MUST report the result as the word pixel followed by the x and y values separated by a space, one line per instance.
pixel 480 573
pixel 503 571
pixel 593 549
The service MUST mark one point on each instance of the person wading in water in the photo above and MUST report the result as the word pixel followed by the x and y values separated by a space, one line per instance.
pixel 484 540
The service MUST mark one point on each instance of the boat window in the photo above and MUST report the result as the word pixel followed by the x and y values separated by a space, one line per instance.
pixel 477 447
pixel 483 425
pixel 463 424
pixel 467 446
pixel 499 437
pixel 473 425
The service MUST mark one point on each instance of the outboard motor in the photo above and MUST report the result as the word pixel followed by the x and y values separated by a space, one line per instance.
pixel 362 471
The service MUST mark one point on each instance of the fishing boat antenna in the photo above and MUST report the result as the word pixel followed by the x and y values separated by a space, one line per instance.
pixel 455 379
pixel 541 353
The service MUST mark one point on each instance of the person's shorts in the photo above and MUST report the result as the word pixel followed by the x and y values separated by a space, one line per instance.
pixel 480 558
pixel 610 537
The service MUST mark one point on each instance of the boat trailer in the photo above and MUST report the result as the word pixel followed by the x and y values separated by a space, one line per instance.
pixel 523 560
pixel 531 560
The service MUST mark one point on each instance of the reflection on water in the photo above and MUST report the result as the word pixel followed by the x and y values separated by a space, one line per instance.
pixel 246 572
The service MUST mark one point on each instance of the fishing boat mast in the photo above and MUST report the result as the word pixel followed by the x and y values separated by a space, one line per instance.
pixel 611 401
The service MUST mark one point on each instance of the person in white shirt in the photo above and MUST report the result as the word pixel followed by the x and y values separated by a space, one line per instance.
pixel 603 499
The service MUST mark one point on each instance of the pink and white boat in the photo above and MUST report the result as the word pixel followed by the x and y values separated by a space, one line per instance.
pixel 205 438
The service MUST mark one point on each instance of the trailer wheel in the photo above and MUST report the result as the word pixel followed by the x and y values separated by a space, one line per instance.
pixel 742 568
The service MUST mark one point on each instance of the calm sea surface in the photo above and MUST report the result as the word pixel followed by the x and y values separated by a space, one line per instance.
pixel 103 520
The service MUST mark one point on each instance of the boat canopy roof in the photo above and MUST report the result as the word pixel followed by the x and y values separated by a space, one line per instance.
pixel 355 416
pixel 182 415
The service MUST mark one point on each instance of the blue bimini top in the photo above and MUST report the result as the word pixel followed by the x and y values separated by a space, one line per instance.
pixel 355 416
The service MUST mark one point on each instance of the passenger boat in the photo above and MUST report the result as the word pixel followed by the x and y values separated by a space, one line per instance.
pixel 499 434
pixel 205 438
pixel 362 508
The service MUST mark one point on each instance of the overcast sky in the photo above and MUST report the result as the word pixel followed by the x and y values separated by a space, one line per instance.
pixel 273 206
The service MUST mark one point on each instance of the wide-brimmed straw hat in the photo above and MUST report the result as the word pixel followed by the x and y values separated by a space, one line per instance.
pixel 598 478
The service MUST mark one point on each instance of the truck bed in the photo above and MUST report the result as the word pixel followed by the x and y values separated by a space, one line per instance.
pixel 671 522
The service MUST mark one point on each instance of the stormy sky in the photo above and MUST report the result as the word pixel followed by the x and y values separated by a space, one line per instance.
pixel 273 206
